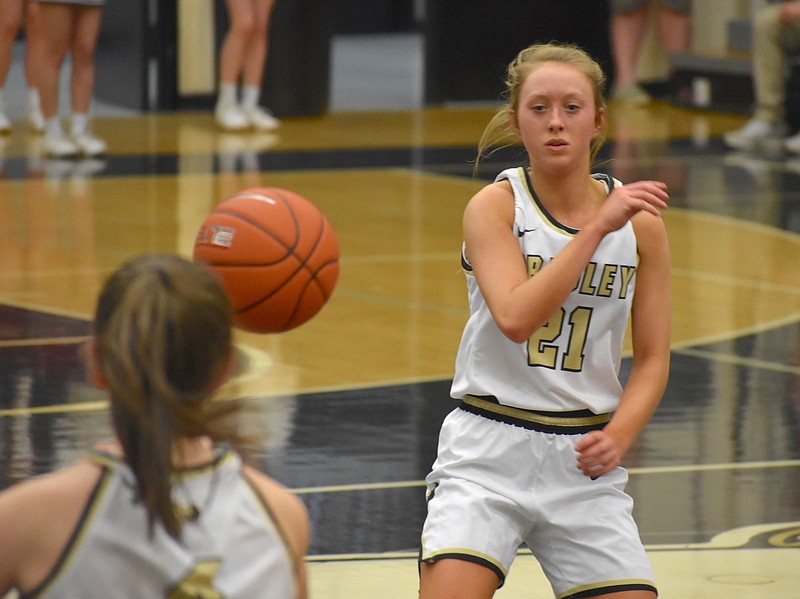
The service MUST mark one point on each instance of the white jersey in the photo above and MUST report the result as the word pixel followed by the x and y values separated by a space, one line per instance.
pixel 572 362
pixel 230 549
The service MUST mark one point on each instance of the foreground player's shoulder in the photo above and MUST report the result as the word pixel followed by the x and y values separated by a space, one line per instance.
pixel 286 507
pixel 51 494
pixel 38 516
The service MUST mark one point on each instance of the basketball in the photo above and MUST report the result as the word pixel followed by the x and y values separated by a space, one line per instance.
pixel 276 254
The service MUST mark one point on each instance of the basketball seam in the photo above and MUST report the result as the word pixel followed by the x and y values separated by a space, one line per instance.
pixel 289 248
pixel 302 265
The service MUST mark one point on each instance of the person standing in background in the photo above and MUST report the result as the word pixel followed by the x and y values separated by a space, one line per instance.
pixel 12 15
pixel 242 60
pixel 68 26
pixel 776 31
pixel 629 21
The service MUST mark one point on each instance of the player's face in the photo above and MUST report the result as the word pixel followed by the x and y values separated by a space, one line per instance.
pixel 557 118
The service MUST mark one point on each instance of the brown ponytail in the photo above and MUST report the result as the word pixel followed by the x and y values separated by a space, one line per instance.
pixel 163 336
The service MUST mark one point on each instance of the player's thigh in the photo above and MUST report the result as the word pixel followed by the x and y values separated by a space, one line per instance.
pixel 456 579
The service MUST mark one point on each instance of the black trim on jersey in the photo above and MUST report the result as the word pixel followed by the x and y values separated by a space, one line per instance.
pixel 272 517
pixel 464 264
pixel 466 557
pixel 73 538
pixel 617 588
pixel 608 180
pixel 605 178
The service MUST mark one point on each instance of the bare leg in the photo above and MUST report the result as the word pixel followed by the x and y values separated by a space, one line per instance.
pixel 10 22
pixel 456 579
pixel 56 26
pixel 33 44
pixel 57 22
pixel 82 48
pixel 258 44
pixel 628 30
pixel 33 60
pixel 674 30
pixel 241 14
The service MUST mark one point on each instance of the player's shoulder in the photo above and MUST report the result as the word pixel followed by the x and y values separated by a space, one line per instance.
pixel 71 482
pixel 286 506
pixel 644 224
pixel 491 196
pixel 46 507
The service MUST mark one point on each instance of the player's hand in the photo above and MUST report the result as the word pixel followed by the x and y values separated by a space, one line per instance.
pixel 597 454
pixel 627 200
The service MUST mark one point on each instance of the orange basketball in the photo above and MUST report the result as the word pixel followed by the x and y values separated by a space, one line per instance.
pixel 276 254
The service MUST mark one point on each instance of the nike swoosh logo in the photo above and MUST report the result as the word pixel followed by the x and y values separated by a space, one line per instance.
pixel 522 233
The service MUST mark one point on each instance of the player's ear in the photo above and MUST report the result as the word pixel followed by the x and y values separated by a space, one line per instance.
pixel 512 121
pixel 93 374
pixel 599 121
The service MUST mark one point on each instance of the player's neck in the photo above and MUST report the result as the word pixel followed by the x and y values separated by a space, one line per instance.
pixel 565 195
pixel 189 452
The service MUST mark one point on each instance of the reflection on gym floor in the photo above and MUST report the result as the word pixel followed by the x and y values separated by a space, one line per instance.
pixel 349 404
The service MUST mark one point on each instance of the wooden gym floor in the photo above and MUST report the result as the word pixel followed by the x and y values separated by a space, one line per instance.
pixel 351 402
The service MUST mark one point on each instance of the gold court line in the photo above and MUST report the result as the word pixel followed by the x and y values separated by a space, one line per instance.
pixel 733 359
pixel 729 539
pixel 44 341
pixel 633 471
pixel 84 406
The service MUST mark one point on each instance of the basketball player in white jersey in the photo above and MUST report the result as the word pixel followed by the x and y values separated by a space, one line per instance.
pixel 556 260
pixel 167 509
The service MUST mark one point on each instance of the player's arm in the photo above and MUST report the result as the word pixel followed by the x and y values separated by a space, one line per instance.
pixel 650 328
pixel 291 516
pixel 37 517
pixel 12 512
pixel 520 304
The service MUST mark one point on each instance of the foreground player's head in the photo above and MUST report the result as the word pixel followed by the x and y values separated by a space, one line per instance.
pixel 162 346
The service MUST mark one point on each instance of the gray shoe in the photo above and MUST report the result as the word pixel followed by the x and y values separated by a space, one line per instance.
pixel 792 144
pixel 754 134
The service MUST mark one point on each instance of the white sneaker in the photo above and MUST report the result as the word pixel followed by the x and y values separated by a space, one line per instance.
pixel 262 119
pixel 792 144
pixel 631 94
pixel 59 146
pixel 36 120
pixel 89 145
pixel 231 117
pixel 753 134
pixel 57 168
pixel 88 167
pixel 5 123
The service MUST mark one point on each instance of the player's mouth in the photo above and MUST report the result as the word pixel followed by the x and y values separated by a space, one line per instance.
pixel 556 143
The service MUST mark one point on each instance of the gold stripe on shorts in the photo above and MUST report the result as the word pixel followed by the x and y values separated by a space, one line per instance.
pixel 557 422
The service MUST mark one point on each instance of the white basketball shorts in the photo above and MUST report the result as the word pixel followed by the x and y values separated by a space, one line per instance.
pixel 495 486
